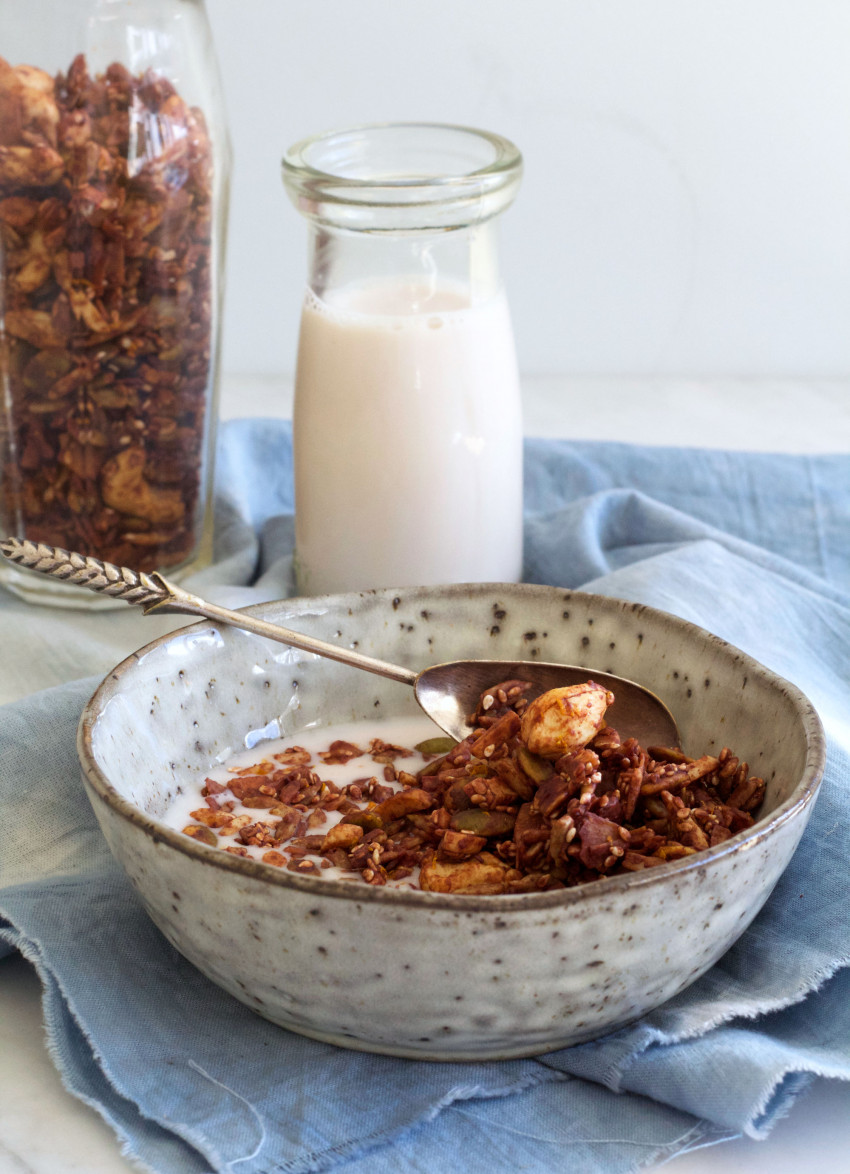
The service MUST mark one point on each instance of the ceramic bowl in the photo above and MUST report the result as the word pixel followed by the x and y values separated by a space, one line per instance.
pixel 423 974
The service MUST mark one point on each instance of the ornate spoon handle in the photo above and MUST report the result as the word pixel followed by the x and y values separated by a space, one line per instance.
pixel 70 567
pixel 154 593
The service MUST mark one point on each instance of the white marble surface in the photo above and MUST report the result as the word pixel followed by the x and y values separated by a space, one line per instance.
pixel 44 1130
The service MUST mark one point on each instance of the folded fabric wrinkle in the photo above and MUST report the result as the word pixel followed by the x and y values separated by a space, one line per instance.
pixel 752 546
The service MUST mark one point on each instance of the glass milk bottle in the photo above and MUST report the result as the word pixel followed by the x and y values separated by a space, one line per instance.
pixel 407 423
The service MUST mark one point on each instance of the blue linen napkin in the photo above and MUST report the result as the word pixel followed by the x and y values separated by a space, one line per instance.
pixel 754 547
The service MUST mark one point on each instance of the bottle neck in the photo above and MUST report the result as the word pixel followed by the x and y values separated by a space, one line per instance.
pixel 406 273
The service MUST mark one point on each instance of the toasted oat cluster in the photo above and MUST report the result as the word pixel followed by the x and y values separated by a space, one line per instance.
pixel 540 796
pixel 106 269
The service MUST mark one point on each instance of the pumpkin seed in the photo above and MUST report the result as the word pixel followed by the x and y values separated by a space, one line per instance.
pixel 435 746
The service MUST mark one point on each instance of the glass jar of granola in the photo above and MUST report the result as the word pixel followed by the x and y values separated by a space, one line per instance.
pixel 114 163
pixel 407 425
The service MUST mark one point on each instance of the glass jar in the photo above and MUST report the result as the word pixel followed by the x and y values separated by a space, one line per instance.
pixel 114 166
pixel 407 425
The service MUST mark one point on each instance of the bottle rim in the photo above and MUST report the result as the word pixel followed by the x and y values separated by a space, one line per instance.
pixel 402 176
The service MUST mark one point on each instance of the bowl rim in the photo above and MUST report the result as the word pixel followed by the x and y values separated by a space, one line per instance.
pixel 800 798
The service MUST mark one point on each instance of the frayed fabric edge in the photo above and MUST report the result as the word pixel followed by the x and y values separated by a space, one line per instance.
pixel 782 1093
pixel 613 1076
pixel 31 952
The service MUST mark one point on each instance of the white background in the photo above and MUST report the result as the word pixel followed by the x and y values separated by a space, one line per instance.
pixel 685 204
pixel 685 213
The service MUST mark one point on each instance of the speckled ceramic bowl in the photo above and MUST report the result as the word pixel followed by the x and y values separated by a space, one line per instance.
pixel 426 974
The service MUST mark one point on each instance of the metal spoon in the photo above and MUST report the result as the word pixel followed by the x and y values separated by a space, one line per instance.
pixel 447 692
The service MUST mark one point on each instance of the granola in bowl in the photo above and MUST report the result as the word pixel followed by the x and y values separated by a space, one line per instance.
pixel 538 797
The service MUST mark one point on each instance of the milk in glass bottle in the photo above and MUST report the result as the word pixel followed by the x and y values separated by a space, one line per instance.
pixel 407 424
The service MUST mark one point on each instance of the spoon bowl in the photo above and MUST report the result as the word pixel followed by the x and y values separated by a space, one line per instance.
pixel 447 692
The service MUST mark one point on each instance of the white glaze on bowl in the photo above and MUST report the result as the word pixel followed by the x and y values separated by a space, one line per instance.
pixel 425 974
